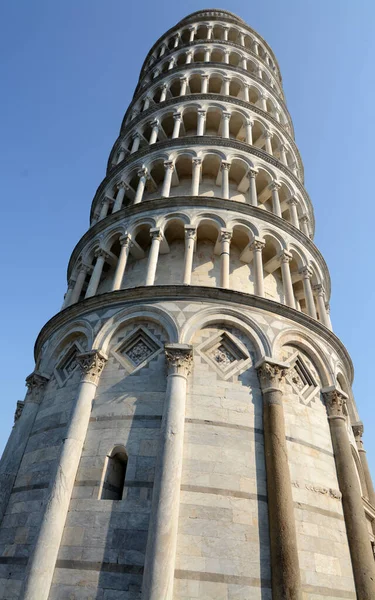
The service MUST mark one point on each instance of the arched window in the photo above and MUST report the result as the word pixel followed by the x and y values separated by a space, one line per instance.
pixel 112 487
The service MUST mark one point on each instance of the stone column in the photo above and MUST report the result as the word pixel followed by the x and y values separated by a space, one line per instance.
pixel 268 137
pixel 244 63
pixel 292 203
pixel 282 150
pixel 252 187
pixel 177 117
pixel 43 558
pixel 320 296
pixel 121 155
pixel 162 536
pixel 156 238
pixel 225 166
pixel 68 295
pixel 274 186
pixel 189 57
pixel 242 38
pixel 249 131
pixel 79 283
pixel 121 189
pixel 225 238
pixel 358 433
pixel 192 34
pixel 225 124
pixel 328 311
pixel 19 437
pixel 263 100
pixel 184 82
pixel 104 209
pixel 256 47
pixel 257 248
pixel 246 93
pixel 136 142
pixel 305 225
pixel 97 273
pixel 201 122
pixel 146 103
pixel 285 258
pixel 190 237
pixel 225 32
pixel 163 94
pixel 285 573
pixel 154 132
pixel 209 32
pixel 125 242
pixel 143 176
pixel 169 168
pixel 354 514
pixel 204 86
pixel 226 91
pixel 226 56
pixel 207 53
pixel 197 163
pixel 176 40
pixel 171 64
pixel 309 297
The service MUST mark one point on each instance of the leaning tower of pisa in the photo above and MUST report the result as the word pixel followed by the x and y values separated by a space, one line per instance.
pixel 189 430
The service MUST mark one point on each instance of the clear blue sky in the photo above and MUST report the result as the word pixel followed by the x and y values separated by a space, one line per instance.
pixel 68 71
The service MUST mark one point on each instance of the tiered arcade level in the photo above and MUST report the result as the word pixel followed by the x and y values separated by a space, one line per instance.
pixel 189 430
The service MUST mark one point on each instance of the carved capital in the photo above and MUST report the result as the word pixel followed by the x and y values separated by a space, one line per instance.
pixel 154 124
pixel 271 374
pixel 225 165
pixel 143 172
pixel 257 245
pixel 100 252
pixel 196 162
pixel 249 122
pixel 274 186
pixel 358 430
pixel 307 272
pixel 292 201
pixel 156 234
pixel 19 409
pixel 190 232
pixel 125 240
pixel 91 365
pixel 136 135
pixel 335 401
pixel 168 165
pixel 252 173
pixel 285 256
pixel 202 113
pixel 225 235
pixel 179 359
pixel 35 385
pixel 318 289
pixel 226 115
pixel 85 269
pixel 122 185
pixel 268 134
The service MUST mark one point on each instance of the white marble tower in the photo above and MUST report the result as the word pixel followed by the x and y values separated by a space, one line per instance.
pixel 189 430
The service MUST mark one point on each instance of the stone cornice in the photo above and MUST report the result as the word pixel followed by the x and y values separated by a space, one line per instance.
pixel 202 141
pixel 227 18
pixel 200 201
pixel 187 45
pixel 183 68
pixel 198 293
pixel 179 100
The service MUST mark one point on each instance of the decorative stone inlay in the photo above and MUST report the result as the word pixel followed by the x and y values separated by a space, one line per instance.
pixel 301 379
pixel 19 409
pixel 67 364
pixel 138 348
pixel 139 352
pixel 91 364
pixel 225 353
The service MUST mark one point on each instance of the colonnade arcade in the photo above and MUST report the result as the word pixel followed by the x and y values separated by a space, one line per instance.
pixel 202 252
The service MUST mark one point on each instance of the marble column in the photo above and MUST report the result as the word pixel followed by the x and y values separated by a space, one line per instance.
pixel 158 577
pixel 274 186
pixel 249 131
pixel 257 248
pixel 207 53
pixel 166 188
pixel 285 573
pixel 196 174
pixel 252 187
pixel 189 57
pixel 244 63
pixel 225 166
pixel 358 433
pixel 184 82
pixel 42 561
pixel 121 189
pixel 225 33
pixel 146 103
pixel 354 514
pixel 204 86
pixel 101 256
pixel 225 124
pixel 305 225
pixel 76 294
pixel 246 93
pixel 285 258
pixel 163 94
pixel 226 90
pixel 282 152
pixel 192 34
pixel 225 238
pixel 190 239
pixel 125 242
pixel 263 102
pixel 268 137
pixel 143 176
pixel 176 40
pixel 19 437
pixel 105 207
pixel 307 288
pixel 154 132
pixel 201 122
pixel 321 301
pixel 156 238
pixel 121 155
pixel 226 57
pixel 171 64
pixel 136 142
pixel 328 312
pixel 255 47
pixel 293 203
pixel 68 295
pixel 177 117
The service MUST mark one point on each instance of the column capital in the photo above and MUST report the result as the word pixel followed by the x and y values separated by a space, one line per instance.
pixel 179 358
pixel 304 219
pixel 91 364
pixel 267 134
pixel 19 408
pixel 358 430
pixel 292 200
pixel 190 232
pixel 169 165
pixel 271 373
pixel 120 185
pixel 101 252
pixel 306 272
pixel 253 172
pixel 285 256
pixel 202 112
pixel 250 122
pixel 35 384
pixel 192 28
pixel 156 234
pixel 71 284
pixel 136 135
pixel 154 123
pixel 225 165
pixel 184 79
pixel 319 290
pixel 164 86
pixel 196 162
pixel 274 185
pixel 85 268
pixel 227 78
pixel 204 76
pixel 335 401
pixel 125 240
pixel 226 114
pixel 177 116
pixel 225 235
pixel 257 245
pixel 143 172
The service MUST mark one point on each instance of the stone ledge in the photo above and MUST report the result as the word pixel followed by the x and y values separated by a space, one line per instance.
pixel 198 293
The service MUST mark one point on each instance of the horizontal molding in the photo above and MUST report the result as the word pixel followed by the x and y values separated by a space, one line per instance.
pixel 226 425
pixel 222 578
pixel 104 418
pixel 108 567
pixel 128 484
pixel 221 296
pixel 320 511
pixel 200 489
